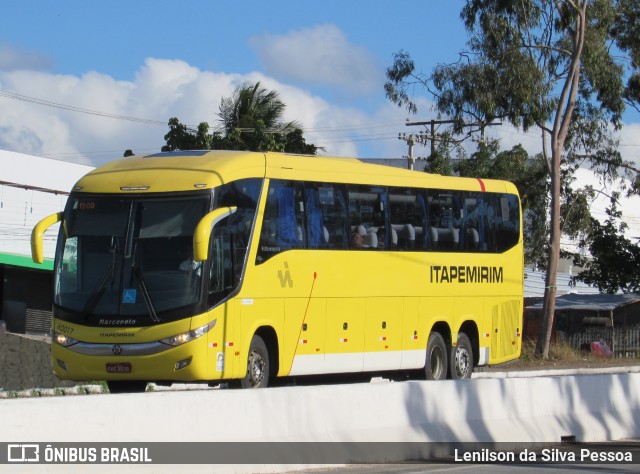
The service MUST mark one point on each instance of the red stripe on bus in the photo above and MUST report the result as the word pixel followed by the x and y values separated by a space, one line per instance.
pixel 481 185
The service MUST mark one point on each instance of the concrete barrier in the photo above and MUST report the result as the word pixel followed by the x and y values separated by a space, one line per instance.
pixel 538 409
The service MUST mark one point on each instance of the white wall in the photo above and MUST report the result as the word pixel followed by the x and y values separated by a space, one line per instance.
pixel 28 186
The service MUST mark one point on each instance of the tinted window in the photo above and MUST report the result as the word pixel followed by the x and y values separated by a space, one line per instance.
pixel 283 220
pixel 367 217
pixel 408 211
pixel 335 216
pixel 326 209
pixel 230 239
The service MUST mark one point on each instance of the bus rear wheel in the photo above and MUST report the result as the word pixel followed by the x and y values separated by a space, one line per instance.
pixel 436 362
pixel 257 365
pixel 461 363
pixel 126 386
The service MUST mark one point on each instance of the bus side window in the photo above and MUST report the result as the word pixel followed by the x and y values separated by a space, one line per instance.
pixel 317 233
pixel 367 215
pixel 283 226
pixel 407 212
pixel 490 216
pixel 469 236
pixel 444 220
pixel 509 222
pixel 326 213
pixel 474 222
pixel 242 194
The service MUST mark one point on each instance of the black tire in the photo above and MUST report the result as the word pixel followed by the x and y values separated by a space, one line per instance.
pixel 435 367
pixel 461 358
pixel 257 365
pixel 126 386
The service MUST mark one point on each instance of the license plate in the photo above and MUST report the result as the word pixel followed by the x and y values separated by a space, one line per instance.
pixel 118 367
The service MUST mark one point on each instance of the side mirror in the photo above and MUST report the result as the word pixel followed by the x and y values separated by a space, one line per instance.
pixel 37 253
pixel 203 231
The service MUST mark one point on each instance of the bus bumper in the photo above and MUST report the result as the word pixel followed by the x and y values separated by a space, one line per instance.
pixel 186 363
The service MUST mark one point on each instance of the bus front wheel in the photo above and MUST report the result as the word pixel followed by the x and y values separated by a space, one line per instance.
pixel 436 363
pixel 257 365
pixel 461 363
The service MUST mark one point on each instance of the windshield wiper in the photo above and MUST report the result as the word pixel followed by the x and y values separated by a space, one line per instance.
pixel 135 270
pixel 145 294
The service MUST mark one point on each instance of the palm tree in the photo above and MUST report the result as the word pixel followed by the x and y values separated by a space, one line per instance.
pixel 251 119
pixel 252 107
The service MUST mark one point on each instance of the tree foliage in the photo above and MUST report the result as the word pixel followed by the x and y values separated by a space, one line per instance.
pixel 626 31
pixel 180 137
pixel 251 119
pixel 536 63
pixel 439 162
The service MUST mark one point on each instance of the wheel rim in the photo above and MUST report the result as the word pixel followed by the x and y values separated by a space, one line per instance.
pixel 435 362
pixel 462 361
pixel 256 368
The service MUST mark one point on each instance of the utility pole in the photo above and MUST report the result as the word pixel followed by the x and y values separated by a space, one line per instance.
pixel 432 136
pixel 411 141
pixel 432 123
pixel 422 137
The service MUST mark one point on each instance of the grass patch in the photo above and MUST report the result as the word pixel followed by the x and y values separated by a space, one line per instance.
pixel 563 355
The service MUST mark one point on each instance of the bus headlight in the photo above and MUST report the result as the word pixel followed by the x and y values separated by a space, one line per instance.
pixel 189 335
pixel 63 340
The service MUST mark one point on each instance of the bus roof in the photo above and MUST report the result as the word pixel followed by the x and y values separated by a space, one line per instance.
pixel 191 170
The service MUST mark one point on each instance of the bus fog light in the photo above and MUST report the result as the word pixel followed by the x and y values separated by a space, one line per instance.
pixel 181 364
pixel 62 364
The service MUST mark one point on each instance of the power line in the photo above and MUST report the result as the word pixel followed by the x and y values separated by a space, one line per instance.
pixel 308 131
pixel 47 103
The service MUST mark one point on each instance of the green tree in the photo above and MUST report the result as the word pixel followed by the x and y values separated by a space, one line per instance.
pixel 534 63
pixel 251 119
pixel 253 106
pixel 626 31
pixel 179 137
pixel 439 162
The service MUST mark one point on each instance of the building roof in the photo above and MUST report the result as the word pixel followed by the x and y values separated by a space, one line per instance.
pixel 39 174
pixel 534 284
pixel 591 302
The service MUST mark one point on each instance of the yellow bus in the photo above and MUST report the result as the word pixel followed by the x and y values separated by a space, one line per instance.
pixel 242 267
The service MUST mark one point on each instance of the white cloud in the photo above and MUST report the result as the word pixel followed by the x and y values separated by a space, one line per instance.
pixel 14 58
pixel 321 55
pixel 160 89
pixel 628 205
pixel 630 142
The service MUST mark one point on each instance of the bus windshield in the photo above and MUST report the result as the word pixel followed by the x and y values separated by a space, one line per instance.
pixel 126 258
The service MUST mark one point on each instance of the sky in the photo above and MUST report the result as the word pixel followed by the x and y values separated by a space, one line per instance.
pixel 153 60
pixel 82 81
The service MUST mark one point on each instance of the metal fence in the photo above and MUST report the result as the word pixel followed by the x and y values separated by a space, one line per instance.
pixel 624 341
